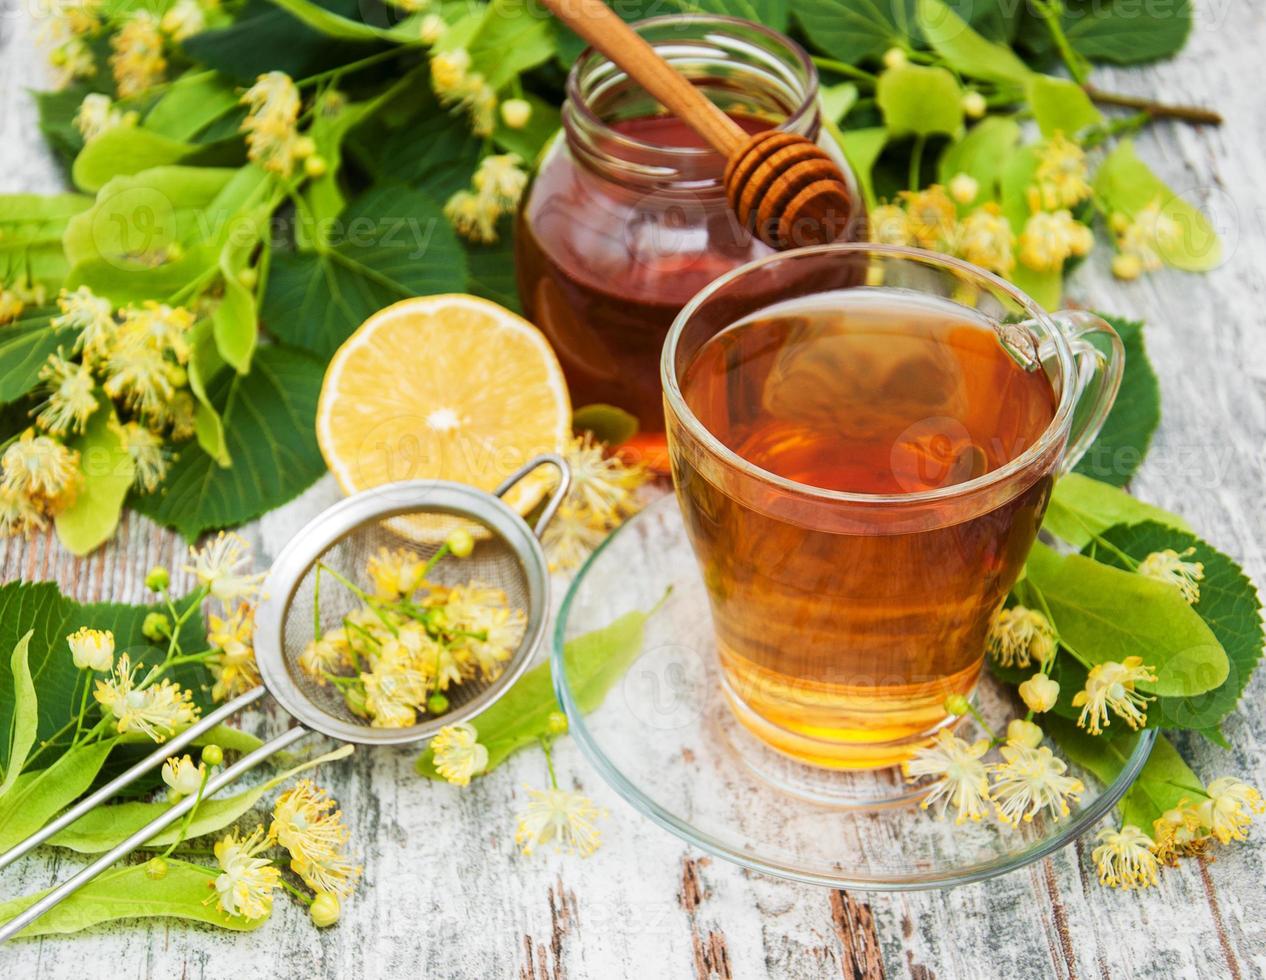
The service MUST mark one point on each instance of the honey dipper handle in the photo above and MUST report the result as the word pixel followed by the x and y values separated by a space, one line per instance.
pixel 600 26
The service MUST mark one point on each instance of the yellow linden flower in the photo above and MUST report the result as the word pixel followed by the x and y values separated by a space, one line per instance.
pixel 1039 693
pixel 71 396
pixel 221 566
pixel 72 60
pixel 41 468
pixel 565 818
pixel 19 513
pixel 271 125
pixel 158 710
pixel 331 654
pixel 501 177
pixel 961 777
pixel 182 775
pixel 1029 781
pixel 97 115
pixel 1127 265
pixel 150 457
pixel 246 884
pixel 933 217
pixel 1142 239
pixel 571 536
pixel 1124 858
pixel 1018 634
pixel 1049 239
pixel 183 19
pixel 92 316
pixel 1111 685
pixel 432 28
pixel 161 327
pixel 963 188
pixel 394 689
pixel 233 667
pixel 1062 176
pixel 985 239
pixel 457 754
pixel 1228 812
pixel 138 62
pixel 1021 732
pixel 473 216
pixel 11 306
pixel 92 649
pixel 140 376
pixel 890 225
pixel 456 85
pixel 308 824
pixel 395 573
pixel 1169 566
pixel 78 17
pixel 1179 832
pixel 602 484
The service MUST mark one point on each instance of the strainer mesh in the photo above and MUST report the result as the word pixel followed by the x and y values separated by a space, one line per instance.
pixel 493 563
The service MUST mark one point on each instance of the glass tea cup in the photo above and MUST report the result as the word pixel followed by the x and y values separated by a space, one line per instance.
pixel 863 442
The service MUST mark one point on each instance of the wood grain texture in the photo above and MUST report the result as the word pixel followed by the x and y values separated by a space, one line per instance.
pixel 445 894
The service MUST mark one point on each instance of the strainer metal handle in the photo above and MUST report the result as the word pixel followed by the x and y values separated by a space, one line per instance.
pixel 557 495
pixel 161 822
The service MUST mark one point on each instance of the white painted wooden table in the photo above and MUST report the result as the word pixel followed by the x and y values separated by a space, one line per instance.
pixel 445 894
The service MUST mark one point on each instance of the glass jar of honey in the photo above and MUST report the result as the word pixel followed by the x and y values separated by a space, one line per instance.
pixel 627 217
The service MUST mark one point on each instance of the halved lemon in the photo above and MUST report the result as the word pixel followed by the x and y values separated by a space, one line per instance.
pixel 449 387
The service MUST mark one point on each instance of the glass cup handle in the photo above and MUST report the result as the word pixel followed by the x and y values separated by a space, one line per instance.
pixel 1100 367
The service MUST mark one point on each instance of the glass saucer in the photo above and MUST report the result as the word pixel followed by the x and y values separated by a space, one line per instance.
pixel 666 740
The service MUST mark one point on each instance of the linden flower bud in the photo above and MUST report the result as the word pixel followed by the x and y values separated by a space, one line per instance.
pixel 437 704
pixel 557 723
pixel 158 579
pixel 460 543
pixel 1039 693
pixel 956 704
pixel 92 649
pixel 325 910
pixel 1127 266
pixel 974 105
pixel 354 696
pixel 1021 732
pixel 315 166
pixel 896 58
pixel 963 188
pixel 432 28
pixel 212 755
pixel 248 277
pixel 516 113
pixel 305 146
pixel 156 869
pixel 156 627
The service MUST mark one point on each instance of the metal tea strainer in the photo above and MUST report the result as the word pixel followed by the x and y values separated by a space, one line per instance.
pixel 507 556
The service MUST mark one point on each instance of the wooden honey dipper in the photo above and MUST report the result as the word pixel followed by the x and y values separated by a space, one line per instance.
pixel 782 186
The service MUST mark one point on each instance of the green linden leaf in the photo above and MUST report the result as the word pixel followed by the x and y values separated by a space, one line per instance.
pixel 190 104
pixel 24 348
pixel 966 51
pixel 855 30
pixel 205 364
pixel 1122 32
pixel 269 433
pixel 1228 603
pixel 1126 184
pixel 108 472
pixel 606 423
pixel 31 229
pixel 1105 613
pixel 128 893
pixel 38 795
pixel 393 243
pixel 57 120
pixel 595 662
pixel 1060 105
pixel 920 100
pixel 124 151
pixel 26 715
pixel 861 148
pixel 1121 445
pixel 263 37
pixel 982 154
pixel 512 37
pixel 1081 507
pixel 491 269
pixel 331 24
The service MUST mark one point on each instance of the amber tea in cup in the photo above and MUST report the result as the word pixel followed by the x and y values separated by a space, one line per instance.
pixel 862 470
